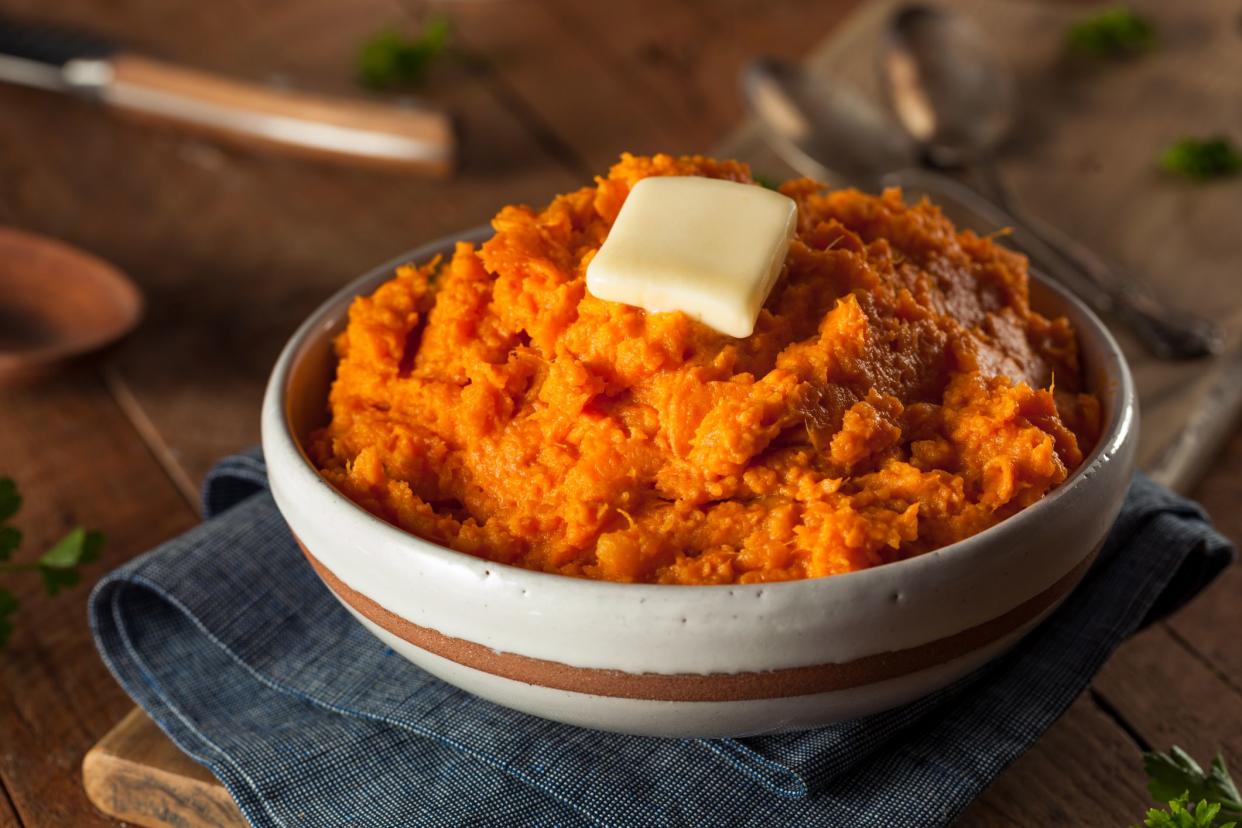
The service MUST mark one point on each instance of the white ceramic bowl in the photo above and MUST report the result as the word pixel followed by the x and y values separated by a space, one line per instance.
pixel 695 661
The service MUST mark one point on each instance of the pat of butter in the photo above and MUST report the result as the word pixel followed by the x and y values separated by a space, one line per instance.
pixel 710 248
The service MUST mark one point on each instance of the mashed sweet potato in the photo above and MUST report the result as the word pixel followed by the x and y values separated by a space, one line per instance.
pixel 895 397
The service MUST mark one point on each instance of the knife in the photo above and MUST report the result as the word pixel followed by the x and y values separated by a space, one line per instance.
pixel 318 126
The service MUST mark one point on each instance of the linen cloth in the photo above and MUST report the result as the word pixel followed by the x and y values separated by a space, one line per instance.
pixel 235 648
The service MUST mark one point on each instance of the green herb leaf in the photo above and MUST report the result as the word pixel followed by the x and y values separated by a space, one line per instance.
pixel 92 547
pixel 1169 775
pixel 390 59
pixel 54 580
pixel 1202 815
pixel 10 539
pixel 1115 32
pixel 8 606
pixel 10 500
pixel 1227 790
pixel 764 181
pixel 58 566
pixel 1176 776
pixel 67 553
pixel 1202 158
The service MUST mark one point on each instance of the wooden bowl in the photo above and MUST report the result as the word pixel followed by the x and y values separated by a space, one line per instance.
pixel 57 303
pixel 696 661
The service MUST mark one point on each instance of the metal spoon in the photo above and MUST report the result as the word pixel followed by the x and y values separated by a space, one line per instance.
pixel 831 133
pixel 957 101
pixel 825 131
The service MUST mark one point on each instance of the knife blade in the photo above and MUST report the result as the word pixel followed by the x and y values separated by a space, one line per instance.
pixel 320 126
pixel 38 55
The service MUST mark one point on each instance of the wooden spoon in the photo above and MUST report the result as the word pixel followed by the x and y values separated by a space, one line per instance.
pixel 57 303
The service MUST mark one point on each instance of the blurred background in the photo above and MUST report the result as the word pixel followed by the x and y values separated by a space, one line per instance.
pixel 232 248
pixel 231 244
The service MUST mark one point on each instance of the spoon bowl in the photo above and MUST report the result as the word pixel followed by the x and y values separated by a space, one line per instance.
pixel 813 123
pixel 57 303
pixel 945 85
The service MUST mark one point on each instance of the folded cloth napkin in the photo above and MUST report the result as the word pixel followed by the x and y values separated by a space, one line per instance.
pixel 227 638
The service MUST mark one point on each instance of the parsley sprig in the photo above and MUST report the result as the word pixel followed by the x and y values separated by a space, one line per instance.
pixel 389 59
pixel 58 566
pixel 1179 815
pixel 1195 798
pixel 1112 33
pixel 1202 158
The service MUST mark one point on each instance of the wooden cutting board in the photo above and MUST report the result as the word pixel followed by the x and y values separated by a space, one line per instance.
pixel 1084 157
pixel 138 775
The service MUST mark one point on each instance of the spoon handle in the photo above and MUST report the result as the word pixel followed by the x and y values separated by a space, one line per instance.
pixel 1164 330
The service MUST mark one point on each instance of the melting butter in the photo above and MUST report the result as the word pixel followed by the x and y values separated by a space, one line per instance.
pixel 712 249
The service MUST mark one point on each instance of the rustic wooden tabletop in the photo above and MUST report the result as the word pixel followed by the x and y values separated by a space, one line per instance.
pixel 232 249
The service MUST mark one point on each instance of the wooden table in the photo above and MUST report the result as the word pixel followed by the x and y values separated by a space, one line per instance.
pixel 233 249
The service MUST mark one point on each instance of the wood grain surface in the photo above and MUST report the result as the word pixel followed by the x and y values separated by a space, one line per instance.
pixel 78 460
pixel 232 249
pixel 138 775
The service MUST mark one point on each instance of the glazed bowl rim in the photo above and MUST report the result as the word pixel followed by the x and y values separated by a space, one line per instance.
pixel 278 433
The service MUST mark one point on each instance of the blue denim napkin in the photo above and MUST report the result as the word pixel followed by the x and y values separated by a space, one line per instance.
pixel 227 638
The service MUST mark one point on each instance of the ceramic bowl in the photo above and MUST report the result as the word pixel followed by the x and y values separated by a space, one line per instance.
pixel 695 661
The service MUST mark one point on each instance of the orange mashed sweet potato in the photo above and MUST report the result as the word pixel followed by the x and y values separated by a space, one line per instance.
pixel 896 396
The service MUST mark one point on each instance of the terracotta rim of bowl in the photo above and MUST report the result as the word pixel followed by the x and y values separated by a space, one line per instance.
pixel 717 687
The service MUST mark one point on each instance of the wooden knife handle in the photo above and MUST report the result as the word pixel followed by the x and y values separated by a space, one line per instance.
pixel 310 125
